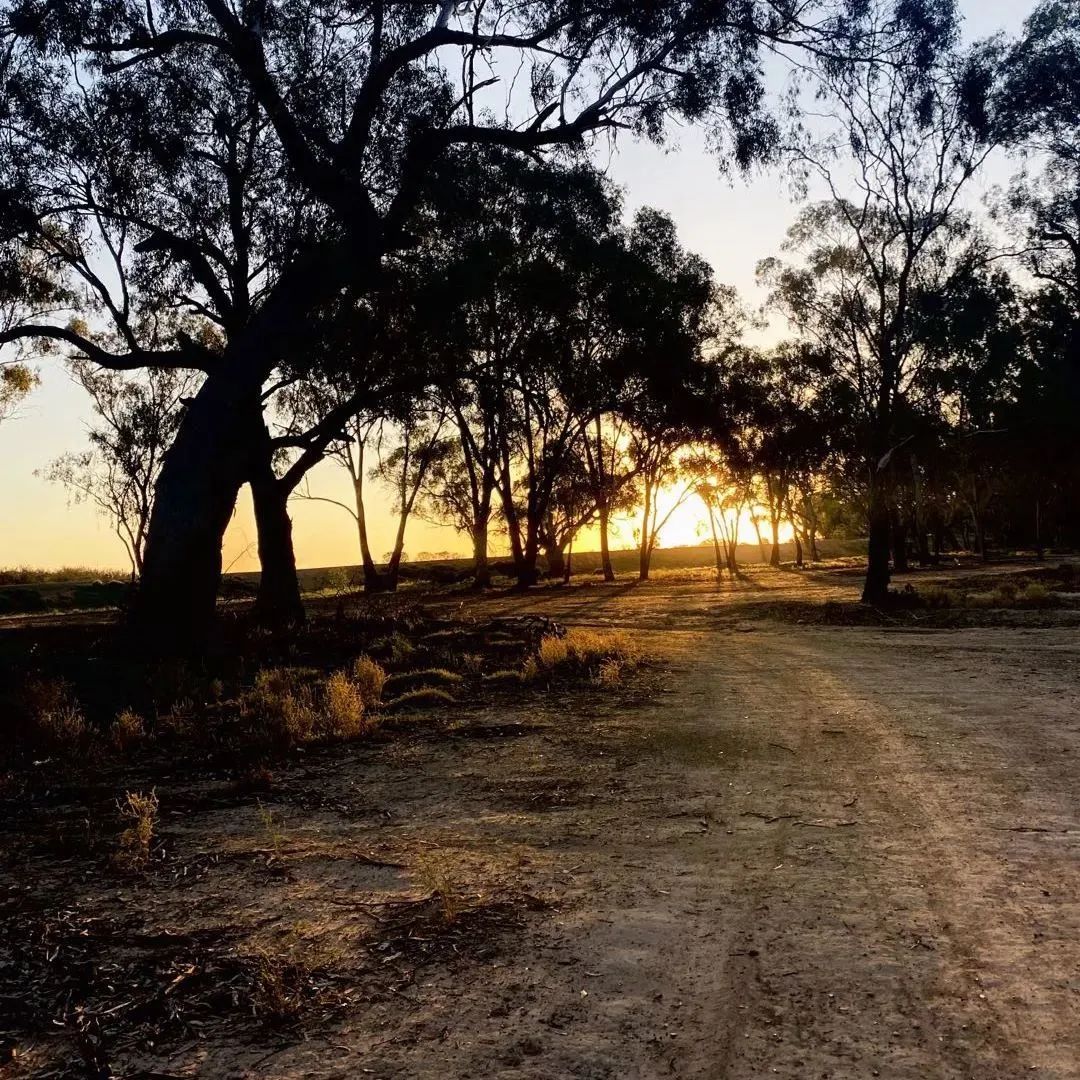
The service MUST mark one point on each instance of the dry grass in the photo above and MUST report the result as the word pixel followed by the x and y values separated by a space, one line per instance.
pixel 56 720
pixel 396 648
pixel 504 677
pixel 288 707
pixel 126 730
pixel 273 832
pixel 29 575
pixel 609 673
pixel 427 677
pixel 140 811
pixel 283 706
pixel 279 990
pixel 370 678
pixel 604 655
pixel 343 711
pixel 425 697
pixel 1027 594
pixel 435 872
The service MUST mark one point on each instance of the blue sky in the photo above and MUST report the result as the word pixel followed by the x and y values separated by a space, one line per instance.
pixel 732 222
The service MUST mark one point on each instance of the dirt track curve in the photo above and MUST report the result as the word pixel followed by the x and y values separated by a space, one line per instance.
pixel 817 853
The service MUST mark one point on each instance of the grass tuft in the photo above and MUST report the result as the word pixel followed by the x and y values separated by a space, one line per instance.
pixel 343 708
pixel 603 655
pixel 370 678
pixel 427 697
pixel 140 811
pixel 126 730
pixel 283 706
pixel 417 680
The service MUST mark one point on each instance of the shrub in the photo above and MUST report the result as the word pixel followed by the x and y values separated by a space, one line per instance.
pixel 1036 594
pixel 609 673
pixel 395 647
pixel 370 678
pixel 141 811
pixel 56 720
pixel 126 730
pixel 338 581
pixel 343 707
pixel 284 705
pixel 936 596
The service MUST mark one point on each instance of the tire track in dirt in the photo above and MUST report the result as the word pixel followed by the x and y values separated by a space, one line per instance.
pixel 982 1009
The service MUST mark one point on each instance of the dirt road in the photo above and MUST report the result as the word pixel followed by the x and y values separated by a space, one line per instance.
pixel 838 853
pixel 808 853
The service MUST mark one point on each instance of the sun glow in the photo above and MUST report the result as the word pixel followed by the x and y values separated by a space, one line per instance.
pixel 688 525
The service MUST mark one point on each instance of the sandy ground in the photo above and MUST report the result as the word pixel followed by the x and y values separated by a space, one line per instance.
pixel 810 853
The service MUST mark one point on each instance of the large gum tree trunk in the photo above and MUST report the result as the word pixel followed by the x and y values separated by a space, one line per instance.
pixel 203 471
pixel 876 586
pixel 278 604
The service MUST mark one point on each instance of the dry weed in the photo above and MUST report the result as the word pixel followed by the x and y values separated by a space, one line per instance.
pixel 585 650
pixel 370 678
pixel 343 708
pixel 140 810
pixel 126 730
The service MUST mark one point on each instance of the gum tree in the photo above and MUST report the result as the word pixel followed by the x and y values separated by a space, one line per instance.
pixel 898 150
pixel 253 162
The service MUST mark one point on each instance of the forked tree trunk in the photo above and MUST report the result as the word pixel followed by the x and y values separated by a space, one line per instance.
pixel 278 604
pixel 209 461
pixel 556 561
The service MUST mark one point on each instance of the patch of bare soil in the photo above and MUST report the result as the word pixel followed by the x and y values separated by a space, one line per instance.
pixel 796 851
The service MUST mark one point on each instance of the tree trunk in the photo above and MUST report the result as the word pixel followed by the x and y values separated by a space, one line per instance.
pixel 876 586
pixel 898 536
pixel 278 604
pixel 211 457
pixel 556 560
pixel 393 567
pixel 481 566
pixel 760 542
pixel 372 579
pixel 1040 551
pixel 774 555
pixel 644 547
pixel 798 545
pixel 980 534
pixel 605 550
pixel 718 554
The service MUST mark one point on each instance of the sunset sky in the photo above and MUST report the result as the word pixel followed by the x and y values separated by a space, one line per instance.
pixel 733 223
